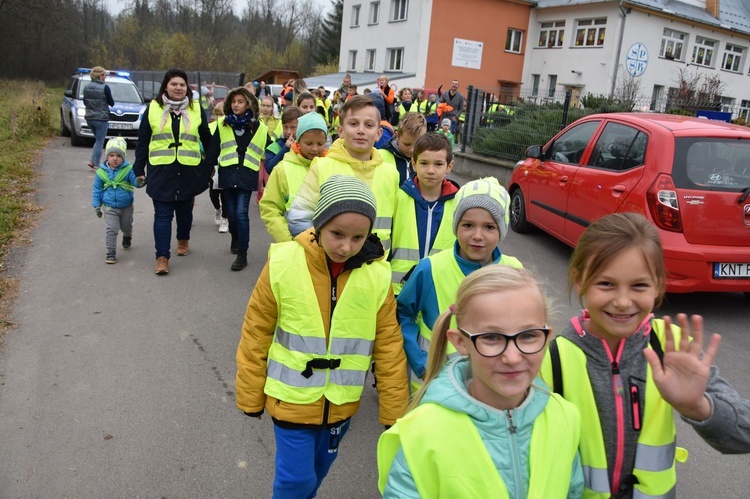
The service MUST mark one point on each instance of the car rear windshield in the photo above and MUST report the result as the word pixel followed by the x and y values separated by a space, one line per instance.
pixel 712 164
pixel 121 91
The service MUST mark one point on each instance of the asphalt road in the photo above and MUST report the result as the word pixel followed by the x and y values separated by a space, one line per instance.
pixel 120 383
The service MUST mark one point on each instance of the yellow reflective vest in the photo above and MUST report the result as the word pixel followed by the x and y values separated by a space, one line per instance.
pixel 295 174
pixel 254 153
pixel 448 459
pixel 405 248
pixel 164 149
pixel 656 452
pixel 302 365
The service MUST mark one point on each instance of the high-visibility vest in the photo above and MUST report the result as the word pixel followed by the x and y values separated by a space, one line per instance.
pixel 120 179
pixel 164 149
pixel 254 153
pixel 448 459
pixel 656 451
pixel 447 277
pixel 295 174
pixel 302 365
pixel 384 186
pixel 326 105
pixel 405 248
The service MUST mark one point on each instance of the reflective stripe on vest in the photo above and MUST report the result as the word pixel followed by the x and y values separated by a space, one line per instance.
pixel 405 250
pixel 300 337
pixel 384 184
pixel 119 180
pixel 163 148
pixel 447 457
pixel 655 453
pixel 254 153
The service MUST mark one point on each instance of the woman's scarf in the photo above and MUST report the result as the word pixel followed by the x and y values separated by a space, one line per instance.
pixel 178 107
pixel 239 122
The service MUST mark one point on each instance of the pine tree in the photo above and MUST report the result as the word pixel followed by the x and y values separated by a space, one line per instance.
pixel 330 39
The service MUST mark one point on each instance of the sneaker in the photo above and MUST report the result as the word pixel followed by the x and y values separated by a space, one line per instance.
pixel 224 225
pixel 162 265
pixel 217 217
pixel 111 259
pixel 183 247
pixel 126 242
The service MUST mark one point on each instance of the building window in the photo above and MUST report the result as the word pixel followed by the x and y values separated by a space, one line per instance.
pixel 374 12
pixel 399 10
pixel 551 34
pixel 744 111
pixel 727 104
pixel 732 58
pixel 590 32
pixel 656 98
pixel 535 85
pixel 352 60
pixel 673 44
pixel 513 41
pixel 355 15
pixel 703 52
pixel 370 60
pixel 552 86
pixel 396 59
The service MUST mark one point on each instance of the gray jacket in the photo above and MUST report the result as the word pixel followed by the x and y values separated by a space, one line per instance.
pixel 95 99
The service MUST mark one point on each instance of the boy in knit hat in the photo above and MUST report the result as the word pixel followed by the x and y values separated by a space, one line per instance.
pixel 480 222
pixel 353 154
pixel 304 361
pixel 113 196
pixel 286 178
pixel 445 129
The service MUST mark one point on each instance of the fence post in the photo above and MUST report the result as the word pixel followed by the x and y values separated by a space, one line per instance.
pixel 464 132
pixel 566 106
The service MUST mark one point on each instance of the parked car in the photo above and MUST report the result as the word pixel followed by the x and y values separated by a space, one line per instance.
pixel 690 177
pixel 124 117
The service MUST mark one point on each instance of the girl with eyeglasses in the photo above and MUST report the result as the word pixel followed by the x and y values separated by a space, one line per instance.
pixel 483 425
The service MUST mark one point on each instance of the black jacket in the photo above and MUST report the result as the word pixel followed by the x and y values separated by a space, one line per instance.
pixel 235 176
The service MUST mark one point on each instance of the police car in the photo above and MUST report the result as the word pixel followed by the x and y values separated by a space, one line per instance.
pixel 124 117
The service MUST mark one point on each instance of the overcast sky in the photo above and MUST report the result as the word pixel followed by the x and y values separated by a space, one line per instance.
pixel 115 6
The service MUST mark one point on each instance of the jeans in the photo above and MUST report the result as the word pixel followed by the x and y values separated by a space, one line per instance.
pixel 303 459
pixel 163 213
pixel 237 203
pixel 99 128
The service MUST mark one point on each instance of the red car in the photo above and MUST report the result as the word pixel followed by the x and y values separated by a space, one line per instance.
pixel 689 176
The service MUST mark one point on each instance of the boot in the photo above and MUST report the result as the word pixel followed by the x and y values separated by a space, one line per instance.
pixel 234 246
pixel 183 247
pixel 162 265
pixel 240 262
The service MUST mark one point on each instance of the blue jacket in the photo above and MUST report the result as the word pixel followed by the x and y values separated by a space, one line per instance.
pixel 418 296
pixel 509 452
pixel 114 198
pixel 422 208
pixel 272 158
pixel 403 164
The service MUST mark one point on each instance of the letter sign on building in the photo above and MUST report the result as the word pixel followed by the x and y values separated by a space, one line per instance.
pixel 636 59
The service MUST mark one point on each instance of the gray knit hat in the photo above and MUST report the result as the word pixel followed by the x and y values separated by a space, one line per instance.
pixel 484 193
pixel 343 194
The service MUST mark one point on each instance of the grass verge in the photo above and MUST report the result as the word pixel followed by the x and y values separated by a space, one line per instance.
pixel 26 122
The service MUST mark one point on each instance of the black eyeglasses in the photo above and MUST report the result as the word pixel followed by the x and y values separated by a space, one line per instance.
pixel 527 341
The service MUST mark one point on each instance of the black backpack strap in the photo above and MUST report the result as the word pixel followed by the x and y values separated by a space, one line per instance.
pixel 653 339
pixel 554 355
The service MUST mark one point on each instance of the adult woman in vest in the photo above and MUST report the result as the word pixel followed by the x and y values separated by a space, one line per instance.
pixel 237 147
pixel 484 425
pixel 168 154
pixel 97 98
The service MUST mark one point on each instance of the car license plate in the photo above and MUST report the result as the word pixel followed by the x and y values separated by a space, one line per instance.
pixel 121 126
pixel 731 270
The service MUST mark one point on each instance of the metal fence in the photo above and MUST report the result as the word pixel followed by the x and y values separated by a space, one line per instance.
pixel 504 124
pixel 148 82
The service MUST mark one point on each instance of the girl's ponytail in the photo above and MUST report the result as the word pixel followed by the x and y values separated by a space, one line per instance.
pixel 436 357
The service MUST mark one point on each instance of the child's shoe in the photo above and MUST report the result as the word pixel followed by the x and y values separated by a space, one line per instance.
pixel 217 217
pixel 111 258
pixel 126 241
pixel 240 262
pixel 224 225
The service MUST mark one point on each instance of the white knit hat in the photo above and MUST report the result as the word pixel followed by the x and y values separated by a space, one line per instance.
pixel 484 193
pixel 116 145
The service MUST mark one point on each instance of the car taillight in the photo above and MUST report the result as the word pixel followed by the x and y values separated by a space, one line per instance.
pixel 662 201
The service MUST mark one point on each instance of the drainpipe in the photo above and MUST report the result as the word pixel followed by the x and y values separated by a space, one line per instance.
pixel 619 50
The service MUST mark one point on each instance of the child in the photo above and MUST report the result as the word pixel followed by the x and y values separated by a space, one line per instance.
pixel 304 361
pixel 333 131
pixel 445 129
pixel 405 103
pixel 269 116
pixel 429 109
pixel 626 371
pixel 353 154
pixel 351 92
pixel 480 222
pixel 214 192
pixel 483 425
pixel 288 175
pixel 236 147
pixel 276 151
pixel 113 190
pixel 399 150
pixel 424 208
pixel 306 103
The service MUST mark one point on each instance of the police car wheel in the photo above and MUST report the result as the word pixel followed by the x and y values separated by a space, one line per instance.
pixel 75 139
pixel 64 130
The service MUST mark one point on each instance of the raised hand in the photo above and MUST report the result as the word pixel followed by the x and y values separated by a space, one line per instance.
pixel 682 376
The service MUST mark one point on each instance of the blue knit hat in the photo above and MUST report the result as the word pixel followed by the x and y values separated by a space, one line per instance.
pixel 310 121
